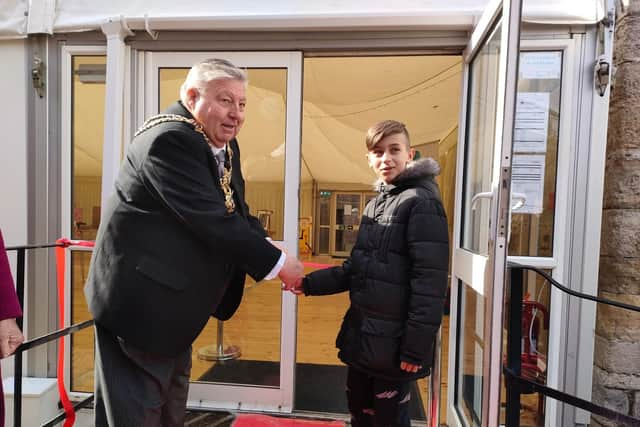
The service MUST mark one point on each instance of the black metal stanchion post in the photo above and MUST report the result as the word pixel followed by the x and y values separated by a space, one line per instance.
pixel 514 348
pixel 433 406
pixel 218 352
pixel 17 358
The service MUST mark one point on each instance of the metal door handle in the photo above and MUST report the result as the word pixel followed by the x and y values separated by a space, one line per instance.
pixel 521 200
pixel 478 196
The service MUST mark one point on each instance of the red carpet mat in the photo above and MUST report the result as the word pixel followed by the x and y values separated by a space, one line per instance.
pixel 251 420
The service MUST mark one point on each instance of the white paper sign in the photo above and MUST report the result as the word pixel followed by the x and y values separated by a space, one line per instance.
pixel 540 65
pixel 527 178
pixel 532 122
pixel 347 209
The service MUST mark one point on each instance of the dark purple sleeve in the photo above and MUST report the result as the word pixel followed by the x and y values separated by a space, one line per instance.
pixel 9 306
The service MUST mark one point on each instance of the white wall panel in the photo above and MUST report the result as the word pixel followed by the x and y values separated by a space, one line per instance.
pixel 13 151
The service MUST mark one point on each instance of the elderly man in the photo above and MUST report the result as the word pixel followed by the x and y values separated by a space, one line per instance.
pixel 173 248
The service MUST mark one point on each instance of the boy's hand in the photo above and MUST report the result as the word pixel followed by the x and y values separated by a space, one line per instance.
pixel 295 287
pixel 405 366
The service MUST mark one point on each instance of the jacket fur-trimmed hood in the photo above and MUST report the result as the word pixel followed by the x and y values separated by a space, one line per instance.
pixel 425 167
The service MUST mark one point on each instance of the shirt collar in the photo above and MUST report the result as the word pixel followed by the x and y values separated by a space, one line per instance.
pixel 215 150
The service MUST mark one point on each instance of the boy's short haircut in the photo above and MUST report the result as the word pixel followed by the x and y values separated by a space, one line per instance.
pixel 382 130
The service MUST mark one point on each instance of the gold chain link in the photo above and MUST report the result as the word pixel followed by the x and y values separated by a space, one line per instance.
pixel 225 180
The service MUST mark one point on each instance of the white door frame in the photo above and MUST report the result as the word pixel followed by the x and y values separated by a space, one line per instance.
pixel 486 273
pixel 561 228
pixel 557 263
pixel 247 397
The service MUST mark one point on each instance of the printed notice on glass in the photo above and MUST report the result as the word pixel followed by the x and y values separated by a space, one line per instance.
pixel 540 65
pixel 532 122
pixel 527 179
pixel 347 209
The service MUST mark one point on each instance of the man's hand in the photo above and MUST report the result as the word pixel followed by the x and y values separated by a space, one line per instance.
pixel 10 337
pixel 292 271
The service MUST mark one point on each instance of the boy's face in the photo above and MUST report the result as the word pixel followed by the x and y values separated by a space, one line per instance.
pixel 390 156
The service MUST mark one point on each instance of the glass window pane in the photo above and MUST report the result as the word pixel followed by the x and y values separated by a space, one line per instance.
pixel 471 354
pixel 325 206
pixel 347 220
pixel 87 136
pixel 324 241
pixel 338 107
pixel 87 143
pixel 480 141
pixel 535 346
pixel 82 346
pixel 535 154
pixel 261 139
pixel 262 145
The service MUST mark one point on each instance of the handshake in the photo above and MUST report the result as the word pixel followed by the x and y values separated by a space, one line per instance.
pixel 296 287
pixel 291 273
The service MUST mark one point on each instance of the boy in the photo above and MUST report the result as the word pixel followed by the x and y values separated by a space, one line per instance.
pixel 396 276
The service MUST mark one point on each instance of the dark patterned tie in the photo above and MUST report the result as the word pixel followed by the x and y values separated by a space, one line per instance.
pixel 220 158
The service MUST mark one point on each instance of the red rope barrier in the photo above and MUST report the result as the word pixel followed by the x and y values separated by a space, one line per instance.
pixel 60 269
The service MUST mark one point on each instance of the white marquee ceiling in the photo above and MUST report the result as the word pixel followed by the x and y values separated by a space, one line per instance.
pixel 342 97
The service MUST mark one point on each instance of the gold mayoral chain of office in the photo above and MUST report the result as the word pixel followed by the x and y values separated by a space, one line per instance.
pixel 225 180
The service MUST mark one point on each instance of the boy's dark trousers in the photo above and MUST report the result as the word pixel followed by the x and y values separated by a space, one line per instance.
pixel 375 402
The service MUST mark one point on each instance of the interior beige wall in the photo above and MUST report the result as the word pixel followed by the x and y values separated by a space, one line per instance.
pixel 270 196
pixel 447 156
pixel 267 196
pixel 338 186
pixel 306 200
pixel 260 195
pixel 86 190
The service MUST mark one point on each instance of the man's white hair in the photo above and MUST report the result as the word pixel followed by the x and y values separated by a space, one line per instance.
pixel 209 70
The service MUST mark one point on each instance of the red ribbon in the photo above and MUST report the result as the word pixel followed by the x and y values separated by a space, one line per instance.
pixel 316 265
pixel 60 268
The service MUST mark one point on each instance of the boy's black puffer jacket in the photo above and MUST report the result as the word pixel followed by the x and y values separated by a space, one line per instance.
pixel 396 277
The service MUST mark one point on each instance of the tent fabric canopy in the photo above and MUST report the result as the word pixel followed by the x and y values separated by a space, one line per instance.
pixel 19 18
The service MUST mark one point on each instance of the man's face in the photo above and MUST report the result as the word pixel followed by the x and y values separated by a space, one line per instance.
pixel 219 108
pixel 390 156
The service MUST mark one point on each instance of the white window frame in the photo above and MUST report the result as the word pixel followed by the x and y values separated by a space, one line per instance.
pixel 66 132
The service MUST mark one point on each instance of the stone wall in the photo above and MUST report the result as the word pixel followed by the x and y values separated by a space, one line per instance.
pixel 616 379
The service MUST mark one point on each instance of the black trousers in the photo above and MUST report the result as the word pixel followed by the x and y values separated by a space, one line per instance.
pixel 138 389
pixel 375 402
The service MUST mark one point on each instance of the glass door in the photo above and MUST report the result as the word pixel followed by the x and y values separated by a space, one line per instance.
pixel 346 214
pixel 247 362
pixel 482 217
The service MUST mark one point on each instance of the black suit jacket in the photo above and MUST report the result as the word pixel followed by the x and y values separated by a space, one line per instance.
pixel 167 253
